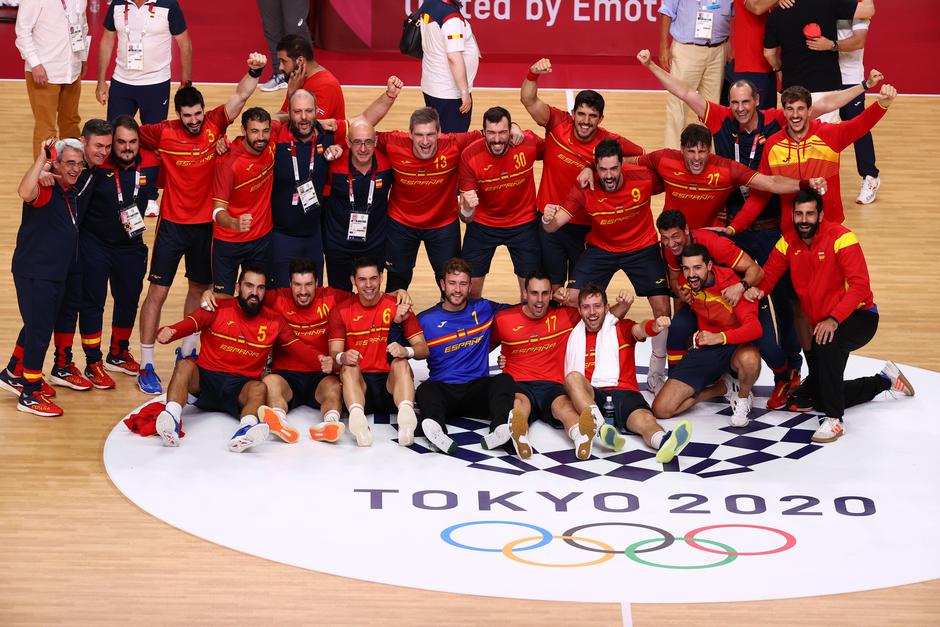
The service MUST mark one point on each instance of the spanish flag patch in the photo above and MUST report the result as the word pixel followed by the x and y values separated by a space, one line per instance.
pixel 378 184
pixel 319 149
pixel 143 179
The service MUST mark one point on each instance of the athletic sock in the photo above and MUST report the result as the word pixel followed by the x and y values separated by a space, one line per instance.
pixel 174 409
pixel 657 439
pixel 248 420
pixel 599 419
pixel 331 416
pixel 574 432
pixel 146 355
pixel 188 344
pixel 658 357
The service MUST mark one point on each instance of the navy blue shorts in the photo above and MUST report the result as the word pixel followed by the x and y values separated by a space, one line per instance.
pixel 541 395
pixel 173 242
pixel 643 267
pixel 228 257
pixel 303 387
pixel 625 403
pixel 403 242
pixel 153 101
pixel 218 391
pixel 701 367
pixel 480 243
pixel 285 248
pixel 378 399
pixel 561 251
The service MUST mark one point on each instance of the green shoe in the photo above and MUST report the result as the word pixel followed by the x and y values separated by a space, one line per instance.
pixel 610 438
pixel 675 441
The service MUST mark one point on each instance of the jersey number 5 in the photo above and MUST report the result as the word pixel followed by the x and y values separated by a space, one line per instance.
pixel 262 332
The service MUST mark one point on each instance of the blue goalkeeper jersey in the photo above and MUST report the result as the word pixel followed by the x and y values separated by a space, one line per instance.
pixel 459 341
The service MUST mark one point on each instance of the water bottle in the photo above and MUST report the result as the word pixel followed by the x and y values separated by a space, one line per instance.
pixel 608 410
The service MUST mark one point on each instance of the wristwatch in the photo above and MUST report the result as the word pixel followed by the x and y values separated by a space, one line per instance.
pixel 745 284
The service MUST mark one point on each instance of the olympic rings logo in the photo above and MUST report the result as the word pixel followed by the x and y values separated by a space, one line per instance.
pixel 635 551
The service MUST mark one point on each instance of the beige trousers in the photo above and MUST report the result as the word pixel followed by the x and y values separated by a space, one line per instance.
pixel 702 68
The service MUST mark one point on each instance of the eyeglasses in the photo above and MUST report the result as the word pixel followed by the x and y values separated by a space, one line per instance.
pixel 357 143
pixel 71 165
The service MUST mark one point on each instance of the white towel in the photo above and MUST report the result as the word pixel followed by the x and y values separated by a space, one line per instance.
pixel 606 353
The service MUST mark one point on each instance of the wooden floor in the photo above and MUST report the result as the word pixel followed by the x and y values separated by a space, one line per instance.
pixel 74 550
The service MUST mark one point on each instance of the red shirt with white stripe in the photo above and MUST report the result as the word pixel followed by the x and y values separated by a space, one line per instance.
pixel 535 348
pixel 242 184
pixel 308 323
pixel 626 347
pixel 366 329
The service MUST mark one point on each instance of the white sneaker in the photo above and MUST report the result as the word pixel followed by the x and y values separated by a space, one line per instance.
pixel 407 423
pixel 359 427
pixel 740 408
pixel 655 381
pixel 731 387
pixel 274 83
pixel 584 438
pixel 437 437
pixel 168 428
pixel 496 438
pixel 153 209
pixel 870 185
pixel 830 430
pixel 519 432
pixel 899 382
pixel 248 436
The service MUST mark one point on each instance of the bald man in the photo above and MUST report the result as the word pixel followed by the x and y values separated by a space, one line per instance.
pixel 356 216
pixel 297 198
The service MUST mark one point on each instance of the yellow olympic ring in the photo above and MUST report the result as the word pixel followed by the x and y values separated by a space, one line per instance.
pixel 508 552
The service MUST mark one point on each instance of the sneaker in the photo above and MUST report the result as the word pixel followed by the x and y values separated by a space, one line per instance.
pixel 274 83
pixel 122 362
pixel 795 380
pixel 870 185
pixel 611 438
pixel 46 390
pixel 496 438
pixel 327 431
pixel 248 436
pixel 168 428
pixel 39 405
pixel 519 433
pixel 10 383
pixel 674 442
pixel 437 437
pixel 277 422
pixel 899 382
pixel 148 381
pixel 830 430
pixel 655 382
pixel 153 209
pixel 69 376
pixel 407 423
pixel 740 408
pixel 799 403
pixel 98 377
pixel 778 398
pixel 359 427
pixel 179 355
pixel 731 387
pixel 587 429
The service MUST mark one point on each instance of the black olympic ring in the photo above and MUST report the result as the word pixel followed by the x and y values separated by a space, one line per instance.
pixel 668 538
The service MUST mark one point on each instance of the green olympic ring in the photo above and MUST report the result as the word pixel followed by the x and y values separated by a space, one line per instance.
pixel 630 552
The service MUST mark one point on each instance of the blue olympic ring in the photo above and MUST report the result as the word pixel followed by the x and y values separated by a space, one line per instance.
pixel 447 533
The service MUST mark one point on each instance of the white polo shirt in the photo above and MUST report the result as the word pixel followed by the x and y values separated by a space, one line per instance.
pixel 851 63
pixel 443 30
pixel 154 24
pixel 42 37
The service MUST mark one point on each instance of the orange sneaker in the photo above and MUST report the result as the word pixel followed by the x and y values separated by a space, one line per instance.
pixel 69 376
pixel 39 405
pixel 327 431
pixel 98 377
pixel 276 419
pixel 778 398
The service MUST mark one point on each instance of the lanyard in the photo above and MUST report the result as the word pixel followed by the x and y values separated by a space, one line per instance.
pixel 68 206
pixel 117 184
pixel 352 193
pixel 293 158
pixel 64 7
pixel 737 149
pixel 127 30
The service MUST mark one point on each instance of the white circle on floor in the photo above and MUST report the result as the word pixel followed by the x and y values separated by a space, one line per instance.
pixel 764 514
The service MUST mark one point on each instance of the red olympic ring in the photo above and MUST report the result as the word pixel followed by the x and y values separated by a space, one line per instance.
pixel 789 544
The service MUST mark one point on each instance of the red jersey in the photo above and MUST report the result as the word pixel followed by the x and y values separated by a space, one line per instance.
pixel 188 162
pixel 566 156
pixel 424 195
pixel 506 184
pixel 329 94
pixel 626 346
pixel 724 252
pixel 830 276
pixel 749 40
pixel 738 324
pixel 700 197
pixel 621 221
pixel 535 349
pixel 817 155
pixel 365 329
pixel 233 343
pixel 308 323
pixel 242 183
